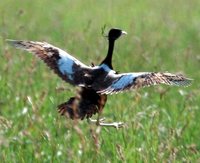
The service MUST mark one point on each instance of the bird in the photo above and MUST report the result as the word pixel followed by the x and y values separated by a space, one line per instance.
pixel 95 82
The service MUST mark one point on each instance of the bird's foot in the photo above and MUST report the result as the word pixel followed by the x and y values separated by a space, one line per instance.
pixel 101 122
pixel 116 125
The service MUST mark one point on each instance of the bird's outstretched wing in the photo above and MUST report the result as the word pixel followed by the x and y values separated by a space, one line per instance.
pixel 127 81
pixel 63 64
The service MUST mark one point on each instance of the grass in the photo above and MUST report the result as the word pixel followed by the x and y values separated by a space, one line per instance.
pixel 162 123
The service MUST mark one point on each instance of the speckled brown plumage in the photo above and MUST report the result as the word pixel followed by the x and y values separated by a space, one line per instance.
pixel 85 104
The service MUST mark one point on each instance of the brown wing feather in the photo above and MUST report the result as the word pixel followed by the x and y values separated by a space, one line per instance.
pixel 161 78
pixel 42 50
pixel 123 82
pixel 64 65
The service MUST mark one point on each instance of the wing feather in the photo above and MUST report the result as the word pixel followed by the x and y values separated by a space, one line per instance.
pixel 128 81
pixel 63 64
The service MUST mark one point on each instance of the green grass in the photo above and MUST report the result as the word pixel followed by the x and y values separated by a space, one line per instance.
pixel 161 127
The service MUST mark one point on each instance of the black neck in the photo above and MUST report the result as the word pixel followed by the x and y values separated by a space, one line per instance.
pixel 108 59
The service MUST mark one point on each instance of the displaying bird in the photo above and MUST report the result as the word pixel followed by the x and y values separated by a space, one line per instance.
pixel 95 82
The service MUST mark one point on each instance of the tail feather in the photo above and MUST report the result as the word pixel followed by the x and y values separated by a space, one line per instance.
pixel 86 103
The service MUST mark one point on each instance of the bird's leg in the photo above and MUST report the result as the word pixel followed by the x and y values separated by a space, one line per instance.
pixel 100 122
pixel 98 118
pixel 116 125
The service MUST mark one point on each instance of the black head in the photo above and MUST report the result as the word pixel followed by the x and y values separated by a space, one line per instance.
pixel 115 33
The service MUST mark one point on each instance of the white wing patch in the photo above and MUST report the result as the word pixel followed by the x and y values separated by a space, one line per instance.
pixel 122 82
pixel 65 65
pixel 126 79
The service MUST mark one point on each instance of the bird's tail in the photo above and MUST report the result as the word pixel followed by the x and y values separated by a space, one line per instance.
pixel 69 109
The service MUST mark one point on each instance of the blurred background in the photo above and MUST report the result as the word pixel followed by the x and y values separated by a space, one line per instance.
pixel 162 123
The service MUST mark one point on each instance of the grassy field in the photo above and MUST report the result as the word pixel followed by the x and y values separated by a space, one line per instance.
pixel 162 123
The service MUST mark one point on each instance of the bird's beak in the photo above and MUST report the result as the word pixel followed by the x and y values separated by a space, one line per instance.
pixel 124 33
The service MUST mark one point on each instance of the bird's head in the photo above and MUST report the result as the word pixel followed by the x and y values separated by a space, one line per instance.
pixel 115 33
